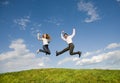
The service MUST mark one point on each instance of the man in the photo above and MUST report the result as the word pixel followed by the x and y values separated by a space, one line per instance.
pixel 68 39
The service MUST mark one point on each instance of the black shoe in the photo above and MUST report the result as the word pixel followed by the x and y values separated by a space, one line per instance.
pixel 56 53
pixel 79 54
pixel 47 53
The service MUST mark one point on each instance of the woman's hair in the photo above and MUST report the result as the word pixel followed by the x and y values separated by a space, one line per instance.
pixel 47 36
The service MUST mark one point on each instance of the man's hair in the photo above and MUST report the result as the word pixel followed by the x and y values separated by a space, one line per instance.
pixel 65 34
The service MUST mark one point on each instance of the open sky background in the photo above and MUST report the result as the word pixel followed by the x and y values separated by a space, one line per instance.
pixel 97 24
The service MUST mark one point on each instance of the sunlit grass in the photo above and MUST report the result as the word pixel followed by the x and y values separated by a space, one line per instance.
pixel 54 75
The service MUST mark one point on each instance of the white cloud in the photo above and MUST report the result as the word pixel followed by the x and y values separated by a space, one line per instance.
pixel 118 0
pixel 20 58
pixel 24 64
pixel 110 59
pixel 19 51
pixel 91 53
pixel 76 59
pixel 113 45
pixel 35 29
pixel 101 55
pixel 67 60
pixel 22 22
pixel 113 56
pixel 5 3
pixel 25 21
pixel 55 21
pixel 90 9
pixel 41 64
pixel 110 46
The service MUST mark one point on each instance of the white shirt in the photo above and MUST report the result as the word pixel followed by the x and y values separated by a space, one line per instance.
pixel 69 38
pixel 45 41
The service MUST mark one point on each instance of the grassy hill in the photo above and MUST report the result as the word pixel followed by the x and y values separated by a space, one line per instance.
pixel 54 75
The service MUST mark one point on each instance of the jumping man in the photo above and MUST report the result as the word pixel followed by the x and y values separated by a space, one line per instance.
pixel 68 39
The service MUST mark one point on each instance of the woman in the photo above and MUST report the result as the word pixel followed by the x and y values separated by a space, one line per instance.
pixel 68 39
pixel 46 40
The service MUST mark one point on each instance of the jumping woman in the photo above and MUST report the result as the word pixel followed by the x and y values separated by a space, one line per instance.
pixel 46 40
pixel 68 38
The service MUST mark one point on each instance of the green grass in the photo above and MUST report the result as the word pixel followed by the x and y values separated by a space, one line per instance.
pixel 53 75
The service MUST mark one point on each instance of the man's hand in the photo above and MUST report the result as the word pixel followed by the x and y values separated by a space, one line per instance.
pixel 62 31
pixel 74 28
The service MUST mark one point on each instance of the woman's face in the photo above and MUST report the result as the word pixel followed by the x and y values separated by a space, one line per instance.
pixel 44 36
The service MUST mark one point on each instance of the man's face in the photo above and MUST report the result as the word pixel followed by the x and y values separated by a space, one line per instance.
pixel 65 36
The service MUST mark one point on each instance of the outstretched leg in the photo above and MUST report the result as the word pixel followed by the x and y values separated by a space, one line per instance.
pixel 41 50
pixel 46 49
pixel 64 50
pixel 71 46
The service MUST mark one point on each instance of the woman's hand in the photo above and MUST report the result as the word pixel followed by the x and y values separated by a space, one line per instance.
pixel 38 36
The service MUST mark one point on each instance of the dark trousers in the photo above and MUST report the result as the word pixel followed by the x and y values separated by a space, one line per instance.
pixel 45 49
pixel 70 48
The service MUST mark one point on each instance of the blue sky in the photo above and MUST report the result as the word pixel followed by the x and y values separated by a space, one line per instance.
pixel 97 24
